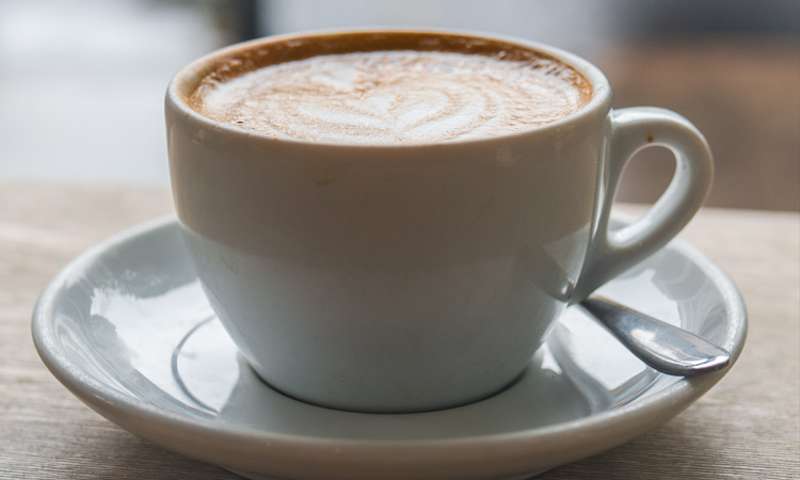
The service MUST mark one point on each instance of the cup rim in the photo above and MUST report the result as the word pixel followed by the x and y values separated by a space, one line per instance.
pixel 599 103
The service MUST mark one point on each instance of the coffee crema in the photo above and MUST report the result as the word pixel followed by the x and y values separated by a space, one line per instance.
pixel 392 97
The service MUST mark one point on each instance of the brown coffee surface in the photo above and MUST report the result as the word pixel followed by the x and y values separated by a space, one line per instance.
pixel 389 97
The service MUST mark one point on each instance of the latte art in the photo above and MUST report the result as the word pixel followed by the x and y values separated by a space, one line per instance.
pixel 395 97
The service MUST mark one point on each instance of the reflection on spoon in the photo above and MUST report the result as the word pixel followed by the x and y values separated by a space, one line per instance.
pixel 664 347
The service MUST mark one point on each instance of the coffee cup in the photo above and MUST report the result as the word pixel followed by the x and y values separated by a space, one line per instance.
pixel 420 270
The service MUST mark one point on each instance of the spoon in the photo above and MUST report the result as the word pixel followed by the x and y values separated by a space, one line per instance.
pixel 662 346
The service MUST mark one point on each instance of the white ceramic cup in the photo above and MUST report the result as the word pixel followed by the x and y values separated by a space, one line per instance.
pixel 413 277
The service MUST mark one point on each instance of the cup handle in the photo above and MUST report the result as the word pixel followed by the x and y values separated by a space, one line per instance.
pixel 629 131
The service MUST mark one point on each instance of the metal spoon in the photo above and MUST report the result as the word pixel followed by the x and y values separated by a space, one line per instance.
pixel 664 347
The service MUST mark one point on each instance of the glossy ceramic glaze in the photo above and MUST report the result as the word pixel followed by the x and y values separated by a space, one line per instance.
pixel 127 328
pixel 412 277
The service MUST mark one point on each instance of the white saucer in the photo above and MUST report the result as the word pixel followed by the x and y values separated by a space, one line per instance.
pixel 128 330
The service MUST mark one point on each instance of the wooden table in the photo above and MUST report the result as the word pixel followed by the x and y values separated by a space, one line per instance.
pixel 747 427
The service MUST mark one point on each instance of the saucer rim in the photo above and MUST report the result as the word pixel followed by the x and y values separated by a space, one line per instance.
pixel 660 405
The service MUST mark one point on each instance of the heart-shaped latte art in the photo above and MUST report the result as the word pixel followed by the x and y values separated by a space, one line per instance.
pixel 396 97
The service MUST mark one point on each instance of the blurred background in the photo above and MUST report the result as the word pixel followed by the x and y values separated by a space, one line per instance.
pixel 82 81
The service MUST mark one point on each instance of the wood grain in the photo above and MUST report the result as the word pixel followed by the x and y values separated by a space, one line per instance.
pixel 748 427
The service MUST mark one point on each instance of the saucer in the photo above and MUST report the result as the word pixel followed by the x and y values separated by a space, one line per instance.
pixel 127 329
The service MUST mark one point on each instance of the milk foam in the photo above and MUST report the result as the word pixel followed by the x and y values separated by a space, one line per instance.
pixel 395 97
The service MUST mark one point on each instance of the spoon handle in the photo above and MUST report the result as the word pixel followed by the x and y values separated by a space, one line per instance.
pixel 664 347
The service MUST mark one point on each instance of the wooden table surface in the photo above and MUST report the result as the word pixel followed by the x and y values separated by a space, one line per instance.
pixel 747 427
